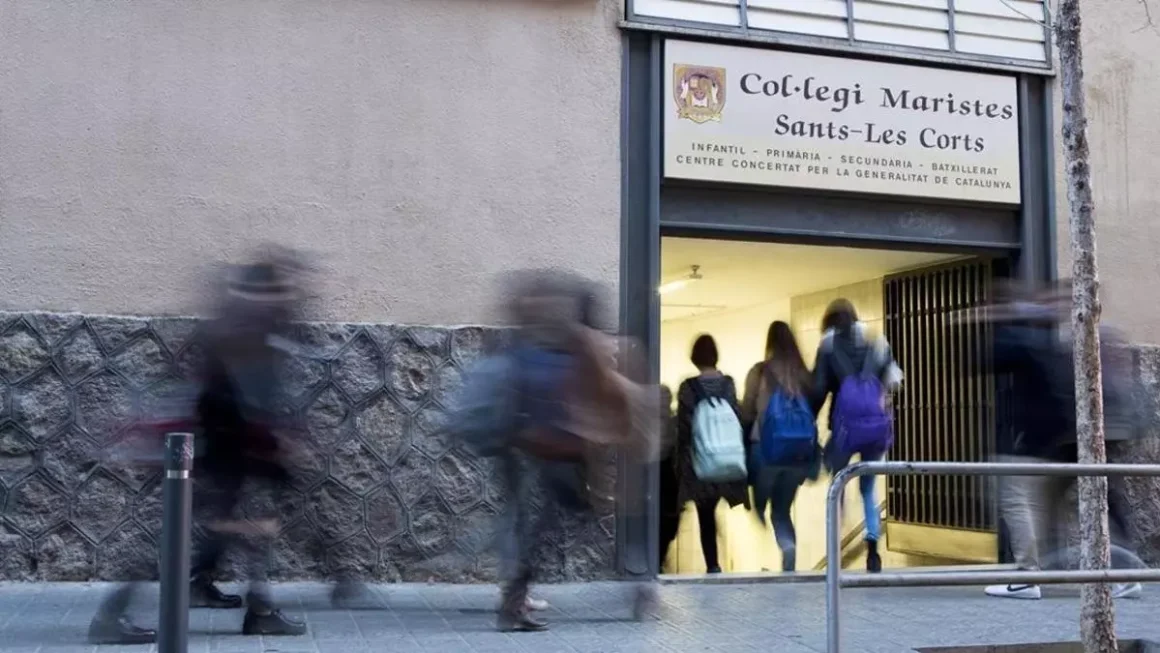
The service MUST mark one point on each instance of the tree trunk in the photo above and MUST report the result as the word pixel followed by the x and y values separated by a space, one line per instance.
pixel 1097 620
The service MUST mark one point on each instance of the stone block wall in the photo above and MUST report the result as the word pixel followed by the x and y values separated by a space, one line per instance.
pixel 1143 494
pixel 380 491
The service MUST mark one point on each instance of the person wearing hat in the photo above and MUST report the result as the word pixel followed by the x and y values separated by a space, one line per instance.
pixel 234 412
pixel 238 417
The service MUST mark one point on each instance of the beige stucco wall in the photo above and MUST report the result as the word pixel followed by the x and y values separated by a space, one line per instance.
pixel 417 146
pixel 1123 95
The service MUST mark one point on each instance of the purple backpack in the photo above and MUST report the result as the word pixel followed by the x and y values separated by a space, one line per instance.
pixel 862 420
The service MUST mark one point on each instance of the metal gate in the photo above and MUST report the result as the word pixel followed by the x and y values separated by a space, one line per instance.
pixel 947 410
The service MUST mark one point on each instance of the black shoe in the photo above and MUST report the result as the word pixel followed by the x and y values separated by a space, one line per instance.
pixel 273 623
pixel 353 596
pixel 521 621
pixel 645 603
pixel 106 630
pixel 204 594
pixel 714 569
pixel 873 560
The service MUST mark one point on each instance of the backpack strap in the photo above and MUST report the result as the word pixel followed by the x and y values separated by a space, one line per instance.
pixel 699 393
pixel 841 361
pixel 871 365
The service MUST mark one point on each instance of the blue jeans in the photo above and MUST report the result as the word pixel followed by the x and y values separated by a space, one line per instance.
pixel 869 490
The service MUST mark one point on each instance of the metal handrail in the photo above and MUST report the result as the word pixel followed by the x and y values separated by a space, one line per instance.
pixel 835 581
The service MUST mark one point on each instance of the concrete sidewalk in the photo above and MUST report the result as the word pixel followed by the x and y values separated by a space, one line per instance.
pixel 590 618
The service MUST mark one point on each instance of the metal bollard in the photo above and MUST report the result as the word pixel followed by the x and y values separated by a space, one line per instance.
pixel 173 621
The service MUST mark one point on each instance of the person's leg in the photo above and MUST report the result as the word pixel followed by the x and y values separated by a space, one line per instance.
pixel 111 624
pixel 1024 511
pixel 785 487
pixel 513 525
pixel 872 519
pixel 707 522
pixel 215 498
pixel 670 524
pixel 529 528
pixel 262 616
pixel 868 487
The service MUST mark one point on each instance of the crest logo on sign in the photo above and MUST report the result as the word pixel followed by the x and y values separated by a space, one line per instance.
pixel 699 92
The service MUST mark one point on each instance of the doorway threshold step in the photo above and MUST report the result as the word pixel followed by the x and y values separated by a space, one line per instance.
pixel 740 578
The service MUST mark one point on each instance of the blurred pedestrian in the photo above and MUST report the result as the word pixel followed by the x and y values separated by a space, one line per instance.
pixel 240 430
pixel 234 412
pixel 859 370
pixel 779 409
pixel 572 408
pixel 708 400
pixel 669 507
pixel 1028 349
pixel 1121 426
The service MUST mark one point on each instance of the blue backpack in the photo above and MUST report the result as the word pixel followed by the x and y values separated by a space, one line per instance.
pixel 789 432
pixel 862 421
pixel 485 415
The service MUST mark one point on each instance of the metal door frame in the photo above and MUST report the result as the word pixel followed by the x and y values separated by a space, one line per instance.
pixel 641 230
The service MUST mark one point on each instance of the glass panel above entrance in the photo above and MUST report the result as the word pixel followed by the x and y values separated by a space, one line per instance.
pixel 1009 31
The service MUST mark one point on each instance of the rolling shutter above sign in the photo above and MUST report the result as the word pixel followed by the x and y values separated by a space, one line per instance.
pixel 1010 31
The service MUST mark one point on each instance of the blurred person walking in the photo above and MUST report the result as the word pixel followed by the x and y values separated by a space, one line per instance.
pixel 859 371
pixel 779 409
pixel 1121 425
pixel 708 402
pixel 1042 403
pixel 669 486
pixel 234 412
pixel 240 422
pixel 571 407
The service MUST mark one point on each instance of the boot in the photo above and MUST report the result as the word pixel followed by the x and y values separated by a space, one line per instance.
pixel 520 620
pixel 351 595
pixel 118 631
pixel 514 614
pixel 271 623
pixel 645 604
pixel 263 619
pixel 789 558
pixel 873 560
pixel 204 594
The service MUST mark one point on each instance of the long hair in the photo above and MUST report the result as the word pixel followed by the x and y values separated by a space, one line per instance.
pixel 784 364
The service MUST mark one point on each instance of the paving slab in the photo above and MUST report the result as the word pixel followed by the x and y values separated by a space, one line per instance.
pixel 587 618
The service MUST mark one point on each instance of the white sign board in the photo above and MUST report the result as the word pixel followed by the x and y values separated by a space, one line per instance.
pixel 749 116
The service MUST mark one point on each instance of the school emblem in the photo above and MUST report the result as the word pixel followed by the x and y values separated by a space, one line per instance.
pixel 699 92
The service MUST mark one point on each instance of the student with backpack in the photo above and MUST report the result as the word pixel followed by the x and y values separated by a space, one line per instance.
pixel 551 406
pixel 858 371
pixel 710 445
pixel 780 409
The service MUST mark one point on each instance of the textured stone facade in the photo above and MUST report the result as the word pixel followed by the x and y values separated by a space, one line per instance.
pixel 1143 493
pixel 380 491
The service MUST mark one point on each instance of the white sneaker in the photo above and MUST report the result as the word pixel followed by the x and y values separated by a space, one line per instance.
pixel 537 605
pixel 1028 592
pixel 1127 590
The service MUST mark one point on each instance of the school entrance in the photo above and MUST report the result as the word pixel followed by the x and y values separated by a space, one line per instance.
pixel 748 199
pixel 946 411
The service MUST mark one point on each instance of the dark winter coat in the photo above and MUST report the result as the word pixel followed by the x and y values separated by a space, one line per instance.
pixel 1041 400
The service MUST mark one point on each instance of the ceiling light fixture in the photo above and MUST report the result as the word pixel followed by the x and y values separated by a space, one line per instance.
pixel 677 284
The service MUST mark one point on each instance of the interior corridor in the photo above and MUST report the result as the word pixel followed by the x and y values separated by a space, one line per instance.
pixel 733 290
